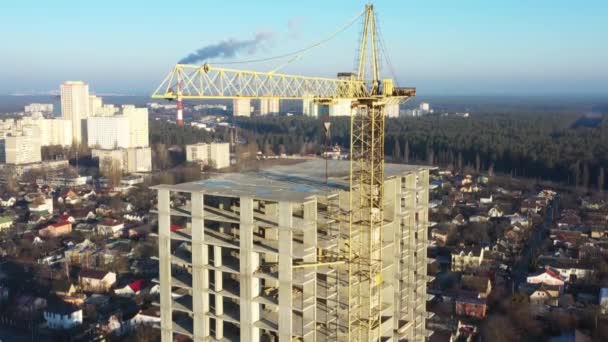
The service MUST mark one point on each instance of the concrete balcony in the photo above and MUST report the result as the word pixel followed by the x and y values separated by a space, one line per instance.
pixel 268 296
pixel 268 271
pixel 269 320
pixel 183 304
pixel 302 303
pixel 229 265
pixel 303 276
pixel 181 257
pixel 183 326
pixel 230 289
pixel 231 312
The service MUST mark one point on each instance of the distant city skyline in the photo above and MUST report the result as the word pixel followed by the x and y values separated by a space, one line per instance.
pixel 440 47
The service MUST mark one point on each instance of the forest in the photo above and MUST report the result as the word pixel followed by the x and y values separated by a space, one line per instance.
pixel 558 146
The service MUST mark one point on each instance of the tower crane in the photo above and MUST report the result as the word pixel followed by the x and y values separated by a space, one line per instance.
pixel 361 256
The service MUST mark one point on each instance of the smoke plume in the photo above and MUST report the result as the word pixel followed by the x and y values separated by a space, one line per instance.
pixel 229 48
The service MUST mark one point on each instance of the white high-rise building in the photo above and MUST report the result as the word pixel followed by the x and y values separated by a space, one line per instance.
pixel 39 108
pixel 95 105
pixel 309 107
pixel 269 106
pixel 108 132
pixel 138 125
pixel 241 107
pixel 425 107
pixel 75 107
pixel 391 110
pixel 122 139
pixel 342 107
pixel 22 149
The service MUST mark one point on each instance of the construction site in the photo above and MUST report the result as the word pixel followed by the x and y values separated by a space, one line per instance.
pixel 314 251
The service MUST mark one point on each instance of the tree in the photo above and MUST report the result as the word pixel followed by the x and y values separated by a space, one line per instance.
pixel 600 179
pixel 161 156
pixel 477 163
pixel 460 161
pixel 406 152
pixel 397 151
pixel 111 169
pixel 586 175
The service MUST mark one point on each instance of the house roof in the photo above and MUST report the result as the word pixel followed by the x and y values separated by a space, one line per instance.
pixel 60 224
pixel 475 283
pixel 60 307
pixel 137 285
pixel 62 285
pixel 92 274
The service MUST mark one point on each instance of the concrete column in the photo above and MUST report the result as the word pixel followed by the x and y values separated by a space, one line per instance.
pixel 310 239
pixel 219 300
pixel 249 262
pixel 164 254
pixel 285 270
pixel 200 297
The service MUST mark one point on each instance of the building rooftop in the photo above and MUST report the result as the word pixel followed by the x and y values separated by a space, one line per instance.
pixel 295 183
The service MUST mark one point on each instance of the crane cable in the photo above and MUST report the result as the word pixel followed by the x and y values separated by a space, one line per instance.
pixel 387 58
pixel 298 53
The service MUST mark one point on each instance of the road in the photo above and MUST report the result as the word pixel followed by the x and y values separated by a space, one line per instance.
pixel 519 272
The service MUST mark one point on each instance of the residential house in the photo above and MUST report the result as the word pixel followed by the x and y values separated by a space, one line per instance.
pixel 480 285
pixel 468 258
pixel 96 281
pixel 82 214
pixel 440 234
pixel 478 218
pixel 485 200
pixel 568 268
pixel 6 222
pixel 546 295
pixel 150 315
pixel 41 205
pixel 80 254
pixel 548 277
pixel 71 198
pixel 60 315
pixel 495 211
pixel 8 203
pixel 471 306
pixel 130 289
pixel 111 227
pixel 56 229
pixel 459 220
pixel 63 288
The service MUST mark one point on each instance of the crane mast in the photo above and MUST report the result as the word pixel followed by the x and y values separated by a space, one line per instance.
pixel 360 262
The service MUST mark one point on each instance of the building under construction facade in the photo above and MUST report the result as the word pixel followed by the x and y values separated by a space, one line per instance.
pixel 260 256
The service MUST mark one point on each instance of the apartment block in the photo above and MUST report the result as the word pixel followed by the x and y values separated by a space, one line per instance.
pixel 108 132
pixel 261 256
pixel 213 154
pixel 75 107
pixel 20 149
pixel 130 160
pixel 269 106
pixel 241 107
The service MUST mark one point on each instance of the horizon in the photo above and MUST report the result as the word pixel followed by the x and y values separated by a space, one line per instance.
pixel 442 48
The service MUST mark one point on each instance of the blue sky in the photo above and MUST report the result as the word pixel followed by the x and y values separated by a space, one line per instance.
pixel 441 47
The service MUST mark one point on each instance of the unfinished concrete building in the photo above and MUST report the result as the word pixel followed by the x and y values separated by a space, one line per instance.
pixel 235 252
